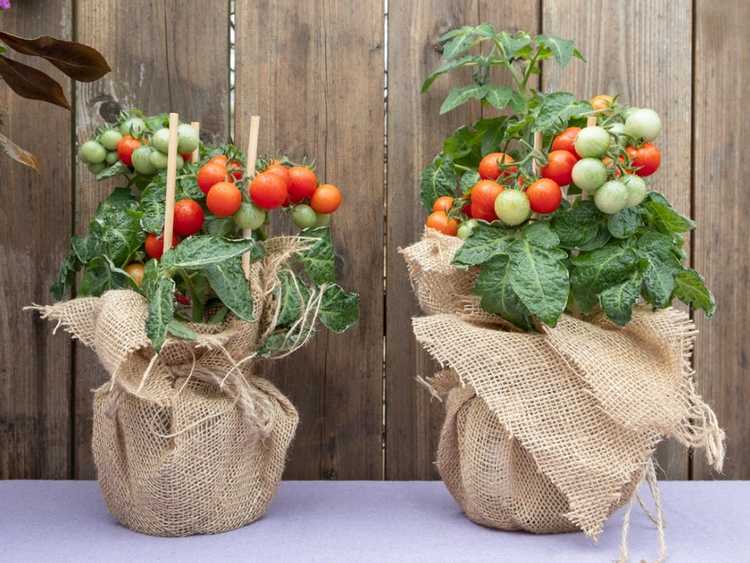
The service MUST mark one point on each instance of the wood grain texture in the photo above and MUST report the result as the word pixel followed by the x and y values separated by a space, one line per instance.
pixel 415 134
pixel 35 224
pixel 639 50
pixel 166 56
pixel 722 206
pixel 315 76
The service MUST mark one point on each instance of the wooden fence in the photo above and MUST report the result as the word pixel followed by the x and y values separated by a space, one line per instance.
pixel 315 72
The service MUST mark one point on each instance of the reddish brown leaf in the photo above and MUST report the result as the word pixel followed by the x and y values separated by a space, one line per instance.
pixel 32 83
pixel 77 60
pixel 18 154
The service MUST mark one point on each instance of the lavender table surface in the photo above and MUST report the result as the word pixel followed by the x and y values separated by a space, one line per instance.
pixel 356 521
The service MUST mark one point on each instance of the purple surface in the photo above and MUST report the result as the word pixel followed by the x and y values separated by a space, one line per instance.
pixel 356 521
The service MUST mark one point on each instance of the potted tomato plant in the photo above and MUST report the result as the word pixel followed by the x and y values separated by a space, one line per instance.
pixel 547 270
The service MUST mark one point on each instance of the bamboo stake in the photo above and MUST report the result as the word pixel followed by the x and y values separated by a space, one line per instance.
pixel 174 121
pixel 252 155
pixel 537 148
pixel 197 152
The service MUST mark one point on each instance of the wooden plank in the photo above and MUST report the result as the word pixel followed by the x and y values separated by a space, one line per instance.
pixel 415 134
pixel 151 47
pixel 639 50
pixel 722 205
pixel 35 224
pixel 315 76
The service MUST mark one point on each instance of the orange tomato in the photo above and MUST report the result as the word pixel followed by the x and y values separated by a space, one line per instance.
pixel 443 203
pixel 326 199
pixel 224 199
pixel 602 101
pixel 489 169
pixel 210 174
pixel 437 220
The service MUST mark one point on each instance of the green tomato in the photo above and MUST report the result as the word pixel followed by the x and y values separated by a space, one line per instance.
pixel 142 162
pixel 133 126
pixel 616 129
pixel 160 140
pixel 112 158
pixel 92 152
pixel 611 197
pixel 589 174
pixel 636 190
pixel 187 139
pixel 249 217
pixel 323 219
pixel 110 138
pixel 304 216
pixel 158 159
pixel 512 207
pixel 628 112
pixel 592 142
pixel 643 124
pixel 465 230
pixel 97 167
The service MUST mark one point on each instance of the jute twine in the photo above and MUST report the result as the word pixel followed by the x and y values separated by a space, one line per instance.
pixel 552 432
pixel 189 440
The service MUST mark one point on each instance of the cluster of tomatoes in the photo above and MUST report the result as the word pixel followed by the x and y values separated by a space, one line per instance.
pixel 599 160
pixel 132 144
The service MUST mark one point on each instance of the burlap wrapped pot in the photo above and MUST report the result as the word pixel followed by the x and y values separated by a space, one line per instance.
pixel 551 432
pixel 189 440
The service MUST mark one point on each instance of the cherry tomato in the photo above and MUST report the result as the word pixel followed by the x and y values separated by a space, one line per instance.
pixel 268 191
pixel 489 169
pixel 154 245
pixel 235 169
pixel 451 228
pixel 281 171
pixel 566 140
pixel 440 221
pixel 188 217
pixel 326 199
pixel 602 101
pixel 187 157
pixel 302 183
pixel 209 174
pixel 481 212
pixel 125 148
pixel 513 207
pixel 443 203
pixel 219 159
pixel 224 199
pixel 645 159
pixel 182 299
pixel 484 193
pixel 466 209
pixel 559 167
pixel 544 195
pixel 135 270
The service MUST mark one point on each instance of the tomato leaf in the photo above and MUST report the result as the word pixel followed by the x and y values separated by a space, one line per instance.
pixel 458 41
pixel 70 265
pixel 625 223
pixel 102 275
pixel 115 170
pixel 494 287
pixel 618 300
pixel 459 96
pixel 664 216
pixel 199 251
pixel 18 154
pixel 663 264
pixel 556 109
pixel 578 225
pixel 227 279
pixel 160 311
pixel 468 180
pixel 498 96
pixel 293 296
pixel 446 67
pixel 152 208
pixel 31 83
pixel 339 309
pixel 78 61
pixel 318 260
pixel 181 330
pixel 562 49
pixel 437 179
pixel 485 242
pixel 691 289
pixel 516 45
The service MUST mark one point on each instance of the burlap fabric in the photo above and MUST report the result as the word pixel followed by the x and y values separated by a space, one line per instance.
pixel 551 432
pixel 187 441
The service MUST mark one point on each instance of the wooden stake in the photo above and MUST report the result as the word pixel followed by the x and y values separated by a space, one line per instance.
pixel 174 121
pixel 537 148
pixel 197 152
pixel 252 155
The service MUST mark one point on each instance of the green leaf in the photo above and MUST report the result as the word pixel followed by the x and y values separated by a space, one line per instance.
pixel 625 223
pixel 468 180
pixel 437 179
pixel 459 96
pixel 578 225
pixel 540 234
pixel 101 275
pixel 458 41
pixel 115 230
pixel 663 264
pixel 485 242
pixel 539 276
pixel 516 45
pixel 498 96
pixel 64 280
pixel 319 260
pixel 494 287
pixel 199 251
pixel 556 109
pixel 690 288
pixel 227 279
pixel 618 300
pixel 152 208
pixel 219 226
pixel 664 217
pixel 85 248
pixel 150 282
pixel 447 67
pixel 462 146
pixel 492 133
pixel 115 170
pixel 293 297
pixel 181 330
pixel 339 310
pixel 160 312
pixel 562 49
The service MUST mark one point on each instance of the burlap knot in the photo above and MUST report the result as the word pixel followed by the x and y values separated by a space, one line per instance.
pixel 551 432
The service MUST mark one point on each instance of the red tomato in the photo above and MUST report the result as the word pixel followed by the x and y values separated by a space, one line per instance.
pixel 645 159
pixel 219 159
pixel 544 195
pixel 182 299
pixel 326 199
pixel 235 169
pixel 188 217
pixel 443 203
pixel 467 210
pixel 302 183
pixel 489 168
pixel 559 167
pixel 481 212
pixel 224 199
pixel 154 245
pixel 281 171
pixel 209 174
pixel 125 148
pixel 268 191
pixel 440 221
pixel 565 141
pixel 187 157
pixel 484 193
